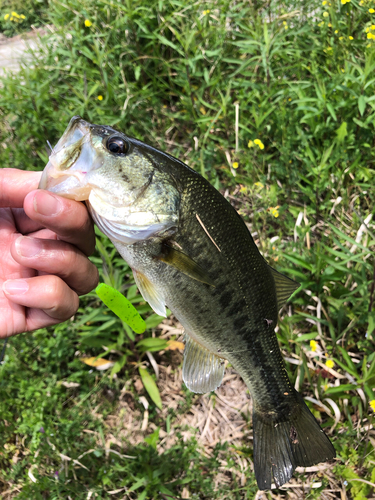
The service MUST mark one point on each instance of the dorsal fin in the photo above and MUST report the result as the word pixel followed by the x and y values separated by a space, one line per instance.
pixel 284 287
pixel 184 263
pixel 202 370
pixel 150 294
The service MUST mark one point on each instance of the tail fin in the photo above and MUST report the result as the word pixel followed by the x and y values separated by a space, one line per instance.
pixel 281 445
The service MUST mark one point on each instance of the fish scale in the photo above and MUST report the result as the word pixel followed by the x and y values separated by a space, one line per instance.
pixel 191 251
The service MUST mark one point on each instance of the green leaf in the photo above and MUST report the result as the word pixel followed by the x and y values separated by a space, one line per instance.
pixel 342 132
pixel 153 438
pixel 154 320
pixel 118 365
pixel 152 344
pixel 332 111
pixel 341 388
pixel 361 104
pixel 306 336
pixel 150 386
pixel 121 307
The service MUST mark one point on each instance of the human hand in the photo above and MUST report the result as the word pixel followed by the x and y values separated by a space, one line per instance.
pixel 43 254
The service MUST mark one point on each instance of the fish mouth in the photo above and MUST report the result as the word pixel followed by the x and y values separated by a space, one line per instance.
pixel 69 162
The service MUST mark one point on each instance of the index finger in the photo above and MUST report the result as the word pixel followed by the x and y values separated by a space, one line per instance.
pixel 15 185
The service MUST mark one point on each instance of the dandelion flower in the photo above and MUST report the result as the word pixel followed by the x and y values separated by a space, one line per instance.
pixel 372 404
pixel 259 143
pixel 351 38
pixel 6 16
pixel 371 11
pixel 100 97
pixel 373 26
pixel 370 36
pixel 325 14
pixel 235 164
pixel 250 144
pixel 324 3
pixel 313 345
pixel 336 31
pixel 345 1
pixel 88 23
pixel 329 363
pixel 205 12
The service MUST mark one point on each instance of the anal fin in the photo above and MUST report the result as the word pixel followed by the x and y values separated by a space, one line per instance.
pixel 202 370
pixel 150 294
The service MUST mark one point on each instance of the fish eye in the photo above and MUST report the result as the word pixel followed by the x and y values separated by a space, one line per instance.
pixel 117 145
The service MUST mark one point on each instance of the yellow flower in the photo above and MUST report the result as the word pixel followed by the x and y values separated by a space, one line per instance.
pixel 313 345
pixel 336 31
pixel 341 38
pixel 325 14
pixel 367 30
pixel 351 38
pixel 329 363
pixel 345 1
pixel 88 23
pixel 100 97
pixel 370 36
pixel 329 25
pixel 259 185
pixel 250 144
pixel 6 16
pixel 259 143
pixel 324 3
pixel 274 211
pixel 373 26
pixel 22 16
pixel 372 404
pixel 235 164
pixel 371 11
pixel 14 14
pixel 205 12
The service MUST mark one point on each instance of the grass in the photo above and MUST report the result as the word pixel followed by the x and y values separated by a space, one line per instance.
pixel 174 74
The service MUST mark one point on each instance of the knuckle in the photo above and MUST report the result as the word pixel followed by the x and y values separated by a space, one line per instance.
pixel 64 302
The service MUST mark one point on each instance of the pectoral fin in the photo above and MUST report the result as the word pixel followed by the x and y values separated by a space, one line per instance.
pixel 185 264
pixel 150 294
pixel 284 287
pixel 202 370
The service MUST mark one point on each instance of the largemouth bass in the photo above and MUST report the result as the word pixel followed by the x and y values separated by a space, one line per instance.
pixel 191 251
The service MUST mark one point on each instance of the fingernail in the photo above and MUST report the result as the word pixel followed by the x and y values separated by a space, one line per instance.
pixel 46 204
pixel 28 247
pixel 15 287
